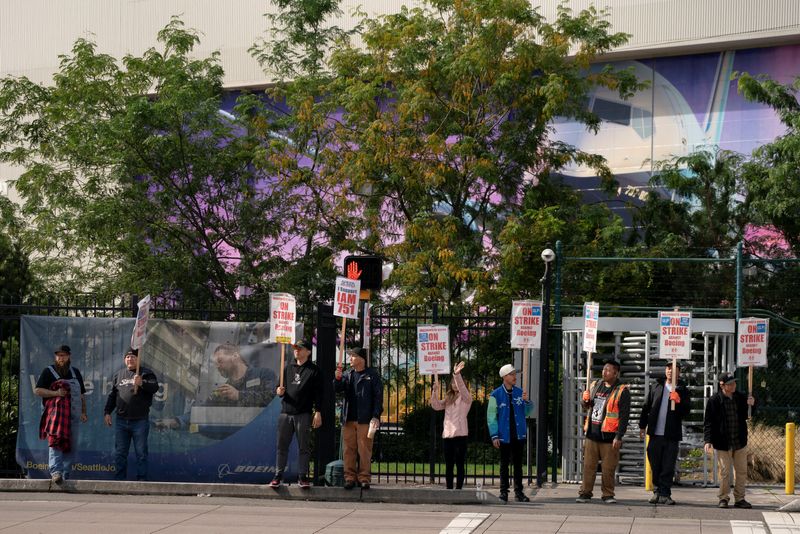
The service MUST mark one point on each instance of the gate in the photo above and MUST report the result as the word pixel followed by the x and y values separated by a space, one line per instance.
pixel 634 343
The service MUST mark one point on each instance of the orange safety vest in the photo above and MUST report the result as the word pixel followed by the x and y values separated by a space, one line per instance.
pixel 611 420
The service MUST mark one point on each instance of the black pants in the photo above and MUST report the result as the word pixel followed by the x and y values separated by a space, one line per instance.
pixel 300 426
pixel 514 452
pixel 455 452
pixel 662 454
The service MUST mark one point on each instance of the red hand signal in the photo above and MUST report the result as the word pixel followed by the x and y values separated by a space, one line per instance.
pixel 353 272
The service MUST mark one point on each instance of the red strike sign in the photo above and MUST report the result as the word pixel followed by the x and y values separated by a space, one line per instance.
pixel 675 335
pixel 433 349
pixel 751 347
pixel 346 300
pixel 526 324
pixel 283 312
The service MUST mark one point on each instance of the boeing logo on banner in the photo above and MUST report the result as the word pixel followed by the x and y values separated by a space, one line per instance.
pixel 536 310
pixel 423 337
pixel 684 321
pixel 761 328
pixel 665 321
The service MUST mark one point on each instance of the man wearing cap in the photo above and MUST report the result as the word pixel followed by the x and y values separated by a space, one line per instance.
pixel 62 391
pixel 508 408
pixel 131 396
pixel 609 404
pixel 363 406
pixel 725 431
pixel 663 424
pixel 300 395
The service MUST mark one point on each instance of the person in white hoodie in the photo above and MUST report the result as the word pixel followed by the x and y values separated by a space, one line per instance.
pixel 456 404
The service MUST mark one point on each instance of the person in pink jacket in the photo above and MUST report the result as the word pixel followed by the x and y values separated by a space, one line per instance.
pixel 456 404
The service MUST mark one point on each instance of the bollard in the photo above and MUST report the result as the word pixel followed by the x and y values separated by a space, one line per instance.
pixel 648 473
pixel 790 433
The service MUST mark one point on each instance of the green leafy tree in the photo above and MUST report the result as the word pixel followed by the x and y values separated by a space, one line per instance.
pixel 772 176
pixel 134 180
pixel 446 115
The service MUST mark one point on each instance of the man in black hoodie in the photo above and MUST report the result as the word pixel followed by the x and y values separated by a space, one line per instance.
pixel 133 410
pixel 725 431
pixel 300 394
pixel 663 425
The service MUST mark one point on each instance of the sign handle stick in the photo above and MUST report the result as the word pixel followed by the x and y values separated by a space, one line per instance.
pixel 674 380
pixel 139 360
pixel 588 370
pixel 750 389
pixel 525 365
pixel 341 342
pixel 283 361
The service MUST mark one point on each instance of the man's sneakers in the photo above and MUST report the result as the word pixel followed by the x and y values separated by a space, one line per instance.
pixel 654 499
pixel 364 485
pixel 276 482
pixel 742 504
pixel 609 500
pixel 504 496
pixel 521 497
pixel 666 499
pixel 723 503
pixel 583 499
pixel 304 483
pixel 349 484
pixel 56 478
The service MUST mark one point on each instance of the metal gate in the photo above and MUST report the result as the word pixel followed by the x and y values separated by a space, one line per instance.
pixel 634 343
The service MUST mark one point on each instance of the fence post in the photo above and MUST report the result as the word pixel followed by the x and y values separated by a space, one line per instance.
pixel 739 306
pixel 544 361
pixel 790 434
pixel 326 360
pixel 556 457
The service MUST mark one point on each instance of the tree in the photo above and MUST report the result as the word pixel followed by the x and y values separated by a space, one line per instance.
pixel 772 176
pixel 135 181
pixel 445 121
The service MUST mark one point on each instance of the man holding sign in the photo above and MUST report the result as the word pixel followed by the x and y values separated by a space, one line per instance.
pixel 725 431
pixel 361 416
pixel 505 415
pixel 300 395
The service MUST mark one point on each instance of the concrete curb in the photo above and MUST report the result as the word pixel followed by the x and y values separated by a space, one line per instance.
pixel 251 491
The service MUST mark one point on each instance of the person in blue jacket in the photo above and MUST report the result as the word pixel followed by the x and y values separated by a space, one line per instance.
pixel 508 408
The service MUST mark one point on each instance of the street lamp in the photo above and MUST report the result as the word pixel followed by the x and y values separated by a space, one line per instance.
pixel 544 362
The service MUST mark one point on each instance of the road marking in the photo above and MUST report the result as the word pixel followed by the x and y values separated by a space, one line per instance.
pixel 782 523
pixel 747 527
pixel 464 523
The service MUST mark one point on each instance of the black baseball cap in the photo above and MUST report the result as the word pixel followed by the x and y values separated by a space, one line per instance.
pixel 63 348
pixel 359 351
pixel 612 361
pixel 727 378
pixel 133 351
pixel 304 344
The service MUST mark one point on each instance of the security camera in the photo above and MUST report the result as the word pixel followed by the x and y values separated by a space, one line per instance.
pixel 548 255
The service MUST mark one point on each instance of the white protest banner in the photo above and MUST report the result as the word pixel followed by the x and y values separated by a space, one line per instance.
pixel 526 324
pixel 675 335
pixel 752 346
pixel 282 315
pixel 139 334
pixel 433 349
pixel 346 301
pixel 591 318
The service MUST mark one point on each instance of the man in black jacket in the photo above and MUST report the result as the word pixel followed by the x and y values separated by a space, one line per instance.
pixel 133 410
pixel 300 394
pixel 663 425
pixel 363 406
pixel 725 431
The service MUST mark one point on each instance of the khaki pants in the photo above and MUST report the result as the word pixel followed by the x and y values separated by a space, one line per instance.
pixel 357 446
pixel 594 451
pixel 738 459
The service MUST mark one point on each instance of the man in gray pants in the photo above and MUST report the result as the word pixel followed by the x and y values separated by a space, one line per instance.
pixel 300 394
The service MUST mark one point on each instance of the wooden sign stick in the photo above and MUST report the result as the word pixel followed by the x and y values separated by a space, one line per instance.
pixel 341 343
pixel 283 361
pixel 525 363
pixel 750 389
pixel 588 370
pixel 674 381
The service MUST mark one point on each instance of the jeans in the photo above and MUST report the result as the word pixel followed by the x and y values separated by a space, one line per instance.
pixel 455 452
pixel 662 454
pixel 61 462
pixel 300 425
pixel 511 451
pixel 125 431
